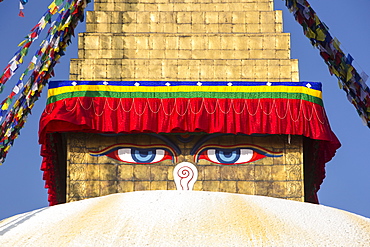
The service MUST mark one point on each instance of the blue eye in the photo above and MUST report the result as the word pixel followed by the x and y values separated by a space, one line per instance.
pixel 233 155
pixel 137 154
pixel 229 156
pixel 145 155
pixel 226 156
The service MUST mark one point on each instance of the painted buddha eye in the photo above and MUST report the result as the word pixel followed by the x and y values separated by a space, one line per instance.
pixel 233 155
pixel 138 155
pixel 130 153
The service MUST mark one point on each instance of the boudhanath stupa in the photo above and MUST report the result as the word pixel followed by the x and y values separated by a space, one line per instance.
pixel 184 123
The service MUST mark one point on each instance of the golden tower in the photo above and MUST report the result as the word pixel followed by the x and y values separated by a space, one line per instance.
pixel 185 40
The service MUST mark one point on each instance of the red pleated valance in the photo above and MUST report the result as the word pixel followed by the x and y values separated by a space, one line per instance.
pixel 235 116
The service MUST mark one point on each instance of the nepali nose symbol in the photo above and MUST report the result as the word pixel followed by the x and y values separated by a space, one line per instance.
pixel 185 175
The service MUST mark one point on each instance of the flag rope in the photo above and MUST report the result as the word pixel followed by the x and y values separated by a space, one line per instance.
pixel 339 64
pixel 63 17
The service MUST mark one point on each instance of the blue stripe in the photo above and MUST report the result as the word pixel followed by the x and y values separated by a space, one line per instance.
pixel 56 84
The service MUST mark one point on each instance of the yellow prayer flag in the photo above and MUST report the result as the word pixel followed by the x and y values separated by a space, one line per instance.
pixel 8 131
pixel 321 36
pixel 294 5
pixel 317 20
pixel 65 26
pixel 349 73
pixel 22 43
pixel 20 113
pixel 16 104
pixel 6 149
pixel 336 73
pixel 340 84
pixel 336 44
pixel 54 11
pixel 44 24
pixel 5 106
pixel 44 68
pixel 310 34
pixel 52 5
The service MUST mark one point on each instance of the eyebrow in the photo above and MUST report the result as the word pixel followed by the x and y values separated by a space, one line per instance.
pixel 166 140
pixel 163 138
pixel 202 140
pixel 206 138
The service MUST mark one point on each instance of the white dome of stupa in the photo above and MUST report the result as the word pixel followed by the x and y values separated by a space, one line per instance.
pixel 185 218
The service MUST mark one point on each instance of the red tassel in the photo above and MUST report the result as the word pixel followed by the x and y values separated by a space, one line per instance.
pixel 21 14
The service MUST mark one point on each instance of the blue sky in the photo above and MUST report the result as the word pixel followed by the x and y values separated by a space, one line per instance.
pixel 347 184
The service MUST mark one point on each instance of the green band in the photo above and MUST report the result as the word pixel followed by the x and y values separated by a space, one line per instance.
pixel 167 95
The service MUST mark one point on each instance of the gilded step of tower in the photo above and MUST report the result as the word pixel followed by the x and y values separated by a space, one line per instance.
pixel 183 5
pixel 184 40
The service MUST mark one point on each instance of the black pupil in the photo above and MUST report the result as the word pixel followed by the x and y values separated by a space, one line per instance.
pixel 227 154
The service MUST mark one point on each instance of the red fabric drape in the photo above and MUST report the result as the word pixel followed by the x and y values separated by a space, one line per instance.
pixel 236 116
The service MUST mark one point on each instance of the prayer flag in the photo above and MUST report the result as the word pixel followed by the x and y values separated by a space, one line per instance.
pixel 21 14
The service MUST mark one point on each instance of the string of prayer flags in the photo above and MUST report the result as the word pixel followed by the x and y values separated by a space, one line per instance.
pixel 339 64
pixel 17 60
pixel 21 1
pixel 21 6
pixel 41 67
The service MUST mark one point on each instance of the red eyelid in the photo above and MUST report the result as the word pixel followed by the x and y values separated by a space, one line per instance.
pixel 256 156
pixel 113 155
pixel 199 154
